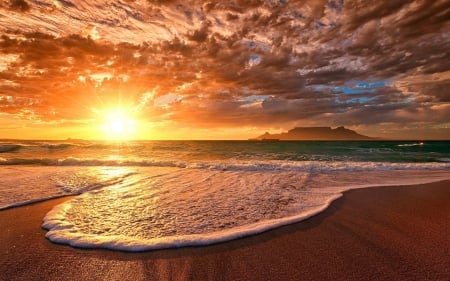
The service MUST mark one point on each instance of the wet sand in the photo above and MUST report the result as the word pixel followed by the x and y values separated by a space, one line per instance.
pixel 387 233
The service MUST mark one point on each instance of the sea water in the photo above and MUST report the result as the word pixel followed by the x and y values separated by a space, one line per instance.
pixel 147 195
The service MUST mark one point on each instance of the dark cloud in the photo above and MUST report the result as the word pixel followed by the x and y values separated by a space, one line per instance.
pixel 19 5
pixel 161 1
pixel 66 3
pixel 200 35
pixel 360 12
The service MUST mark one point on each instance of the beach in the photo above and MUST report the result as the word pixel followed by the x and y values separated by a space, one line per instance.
pixel 224 140
pixel 385 233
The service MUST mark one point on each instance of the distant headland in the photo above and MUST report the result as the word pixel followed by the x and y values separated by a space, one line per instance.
pixel 315 133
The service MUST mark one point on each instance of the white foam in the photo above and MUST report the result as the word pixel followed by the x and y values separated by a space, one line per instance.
pixel 411 144
pixel 192 207
pixel 231 165
pixel 63 232
pixel 21 185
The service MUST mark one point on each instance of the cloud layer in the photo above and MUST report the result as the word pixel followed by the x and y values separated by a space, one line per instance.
pixel 381 65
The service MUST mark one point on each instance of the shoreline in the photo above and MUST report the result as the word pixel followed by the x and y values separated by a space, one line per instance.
pixel 375 233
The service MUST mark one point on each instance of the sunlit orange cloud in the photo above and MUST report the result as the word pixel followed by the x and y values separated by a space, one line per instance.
pixel 223 70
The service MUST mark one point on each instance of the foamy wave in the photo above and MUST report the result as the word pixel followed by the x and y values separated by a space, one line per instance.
pixel 28 184
pixel 62 231
pixel 190 207
pixel 186 207
pixel 90 162
pixel 318 166
pixel 411 144
pixel 235 165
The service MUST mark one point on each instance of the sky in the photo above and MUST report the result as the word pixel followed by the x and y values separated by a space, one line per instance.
pixel 223 69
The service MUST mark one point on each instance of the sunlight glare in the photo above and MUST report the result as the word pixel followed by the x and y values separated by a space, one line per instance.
pixel 118 123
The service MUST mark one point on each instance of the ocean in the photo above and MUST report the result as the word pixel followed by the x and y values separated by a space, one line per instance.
pixel 144 195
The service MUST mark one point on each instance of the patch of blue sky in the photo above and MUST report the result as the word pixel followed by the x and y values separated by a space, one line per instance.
pixel 354 87
pixel 356 100
pixel 361 100
pixel 368 85
pixel 319 88
pixel 352 91
pixel 254 60
pixel 253 98
pixel 255 57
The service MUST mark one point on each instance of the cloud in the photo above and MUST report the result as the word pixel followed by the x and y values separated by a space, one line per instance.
pixel 19 5
pixel 297 57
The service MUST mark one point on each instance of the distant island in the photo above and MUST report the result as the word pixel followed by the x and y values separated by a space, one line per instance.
pixel 315 133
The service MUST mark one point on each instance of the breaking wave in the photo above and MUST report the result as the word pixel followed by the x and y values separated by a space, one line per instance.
pixel 9 147
pixel 234 165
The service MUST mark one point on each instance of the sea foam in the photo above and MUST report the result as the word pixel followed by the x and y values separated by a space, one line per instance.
pixel 20 185
pixel 234 165
pixel 191 207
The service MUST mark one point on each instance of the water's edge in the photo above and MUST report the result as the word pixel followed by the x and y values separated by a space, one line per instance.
pixel 61 232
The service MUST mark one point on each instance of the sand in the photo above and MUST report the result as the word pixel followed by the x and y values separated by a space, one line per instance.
pixel 387 233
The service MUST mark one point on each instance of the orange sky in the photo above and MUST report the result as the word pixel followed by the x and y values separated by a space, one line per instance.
pixel 210 70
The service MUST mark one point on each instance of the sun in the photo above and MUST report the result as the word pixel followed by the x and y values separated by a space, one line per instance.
pixel 118 124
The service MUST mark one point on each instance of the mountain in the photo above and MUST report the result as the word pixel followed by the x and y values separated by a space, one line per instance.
pixel 315 133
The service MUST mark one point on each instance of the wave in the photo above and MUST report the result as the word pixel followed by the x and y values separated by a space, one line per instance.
pixel 28 184
pixel 198 208
pixel 411 144
pixel 235 165
pixel 46 146
pixel 60 145
pixel 14 147
pixel 9 147
pixel 63 232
